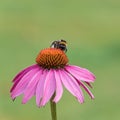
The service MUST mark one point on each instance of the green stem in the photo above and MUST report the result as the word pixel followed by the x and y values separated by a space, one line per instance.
pixel 53 109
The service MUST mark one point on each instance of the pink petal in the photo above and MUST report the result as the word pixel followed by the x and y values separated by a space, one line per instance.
pixel 49 87
pixel 86 89
pixel 40 87
pixel 81 69
pixel 20 87
pixel 84 71
pixel 71 84
pixel 59 89
pixel 88 84
pixel 80 73
pixel 21 74
pixel 31 87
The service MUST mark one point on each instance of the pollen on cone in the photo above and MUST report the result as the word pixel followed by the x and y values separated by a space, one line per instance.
pixel 52 58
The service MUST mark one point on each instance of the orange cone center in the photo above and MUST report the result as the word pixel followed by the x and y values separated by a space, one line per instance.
pixel 52 58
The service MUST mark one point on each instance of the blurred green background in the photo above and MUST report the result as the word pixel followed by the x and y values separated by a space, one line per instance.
pixel 92 30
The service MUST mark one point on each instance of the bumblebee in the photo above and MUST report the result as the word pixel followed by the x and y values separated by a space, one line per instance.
pixel 59 44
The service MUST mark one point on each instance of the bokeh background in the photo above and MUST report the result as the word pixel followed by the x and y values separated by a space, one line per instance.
pixel 92 30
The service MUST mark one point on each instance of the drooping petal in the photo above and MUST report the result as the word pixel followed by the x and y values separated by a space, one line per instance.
pixel 49 87
pixel 72 86
pixel 86 89
pixel 20 87
pixel 21 74
pixel 84 71
pixel 31 87
pixel 59 89
pixel 81 69
pixel 80 73
pixel 89 84
pixel 40 87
